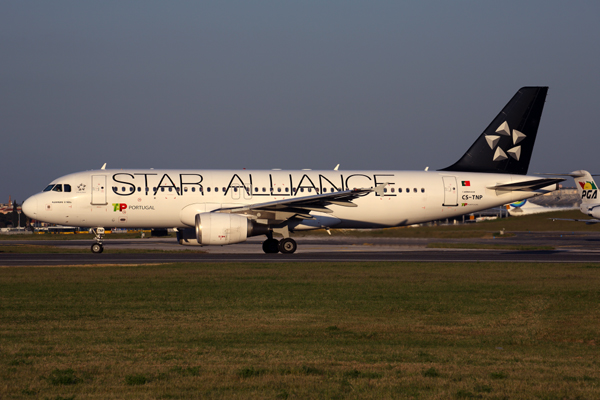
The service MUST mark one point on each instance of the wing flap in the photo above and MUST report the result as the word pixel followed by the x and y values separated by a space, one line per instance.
pixel 282 210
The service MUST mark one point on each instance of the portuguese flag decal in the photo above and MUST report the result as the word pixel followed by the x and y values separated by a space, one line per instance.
pixel 466 183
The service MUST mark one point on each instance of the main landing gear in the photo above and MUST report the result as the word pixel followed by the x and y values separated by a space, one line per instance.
pixel 285 246
pixel 99 237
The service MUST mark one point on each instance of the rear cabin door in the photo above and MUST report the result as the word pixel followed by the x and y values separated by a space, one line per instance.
pixel 99 189
pixel 450 191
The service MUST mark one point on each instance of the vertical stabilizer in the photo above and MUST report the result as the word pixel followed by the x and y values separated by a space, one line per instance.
pixel 587 190
pixel 506 145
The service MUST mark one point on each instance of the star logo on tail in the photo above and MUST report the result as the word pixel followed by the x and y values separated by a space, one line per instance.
pixel 494 139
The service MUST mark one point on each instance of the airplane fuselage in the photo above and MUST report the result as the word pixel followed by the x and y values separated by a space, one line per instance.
pixel 172 198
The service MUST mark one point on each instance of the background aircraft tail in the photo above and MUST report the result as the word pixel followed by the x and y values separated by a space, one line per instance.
pixel 506 145
pixel 587 189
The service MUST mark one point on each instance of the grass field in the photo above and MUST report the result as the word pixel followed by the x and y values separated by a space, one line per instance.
pixel 326 331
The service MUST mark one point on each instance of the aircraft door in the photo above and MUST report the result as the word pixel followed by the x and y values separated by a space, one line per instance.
pixel 99 189
pixel 247 192
pixel 235 192
pixel 450 191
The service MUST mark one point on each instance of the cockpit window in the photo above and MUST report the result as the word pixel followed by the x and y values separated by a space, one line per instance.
pixel 57 188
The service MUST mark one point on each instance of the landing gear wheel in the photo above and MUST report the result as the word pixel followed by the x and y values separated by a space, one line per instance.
pixel 287 246
pixel 271 246
pixel 97 248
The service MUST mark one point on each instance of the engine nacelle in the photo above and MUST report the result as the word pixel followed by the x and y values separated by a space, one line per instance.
pixel 219 229
pixel 594 212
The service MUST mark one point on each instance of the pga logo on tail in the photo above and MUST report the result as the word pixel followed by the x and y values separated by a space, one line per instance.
pixel 589 190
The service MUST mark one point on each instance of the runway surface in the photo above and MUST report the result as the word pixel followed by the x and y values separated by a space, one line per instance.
pixel 579 247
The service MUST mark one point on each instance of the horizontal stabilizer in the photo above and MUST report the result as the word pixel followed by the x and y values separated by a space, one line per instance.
pixel 587 221
pixel 527 186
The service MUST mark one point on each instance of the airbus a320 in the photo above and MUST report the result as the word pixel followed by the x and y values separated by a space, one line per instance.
pixel 221 207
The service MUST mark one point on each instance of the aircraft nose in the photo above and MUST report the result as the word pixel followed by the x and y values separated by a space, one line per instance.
pixel 29 207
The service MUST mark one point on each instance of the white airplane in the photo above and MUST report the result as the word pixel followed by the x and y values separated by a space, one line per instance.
pixel 588 192
pixel 524 207
pixel 218 207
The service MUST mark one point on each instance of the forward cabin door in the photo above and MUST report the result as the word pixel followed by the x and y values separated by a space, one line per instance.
pixel 450 191
pixel 99 189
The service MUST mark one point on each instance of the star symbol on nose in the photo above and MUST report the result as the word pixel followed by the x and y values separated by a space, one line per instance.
pixel 81 187
pixel 504 130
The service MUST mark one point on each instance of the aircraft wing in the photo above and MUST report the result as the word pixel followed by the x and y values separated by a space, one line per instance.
pixel 587 221
pixel 300 207
pixel 527 186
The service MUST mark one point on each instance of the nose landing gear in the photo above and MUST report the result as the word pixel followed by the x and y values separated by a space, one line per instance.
pixel 97 247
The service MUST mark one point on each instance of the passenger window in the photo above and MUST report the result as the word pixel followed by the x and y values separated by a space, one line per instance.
pixel 139 189
pixel 407 190
pixel 224 190
pixel 67 188
pixel 422 190
pixel 384 190
pixel 415 190
pixel 392 190
pixel 162 189
pixel 208 189
pixel 279 190
pixel 302 190
pixel 399 190
pixel 287 190
pixel 216 189
pixel 48 188
pixel 324 190
pixel 131 189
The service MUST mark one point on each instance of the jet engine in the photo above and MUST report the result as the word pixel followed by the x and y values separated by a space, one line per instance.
pixel 220 229
pixel 594 212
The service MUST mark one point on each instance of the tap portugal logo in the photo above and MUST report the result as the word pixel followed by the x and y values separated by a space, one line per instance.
pixel 119 206
pixel 589 190
pixel 122 207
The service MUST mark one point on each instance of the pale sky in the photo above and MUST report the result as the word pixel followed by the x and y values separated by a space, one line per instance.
pixel 279 84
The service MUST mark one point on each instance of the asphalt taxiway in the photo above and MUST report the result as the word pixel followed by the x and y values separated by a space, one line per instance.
pixel 568 247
